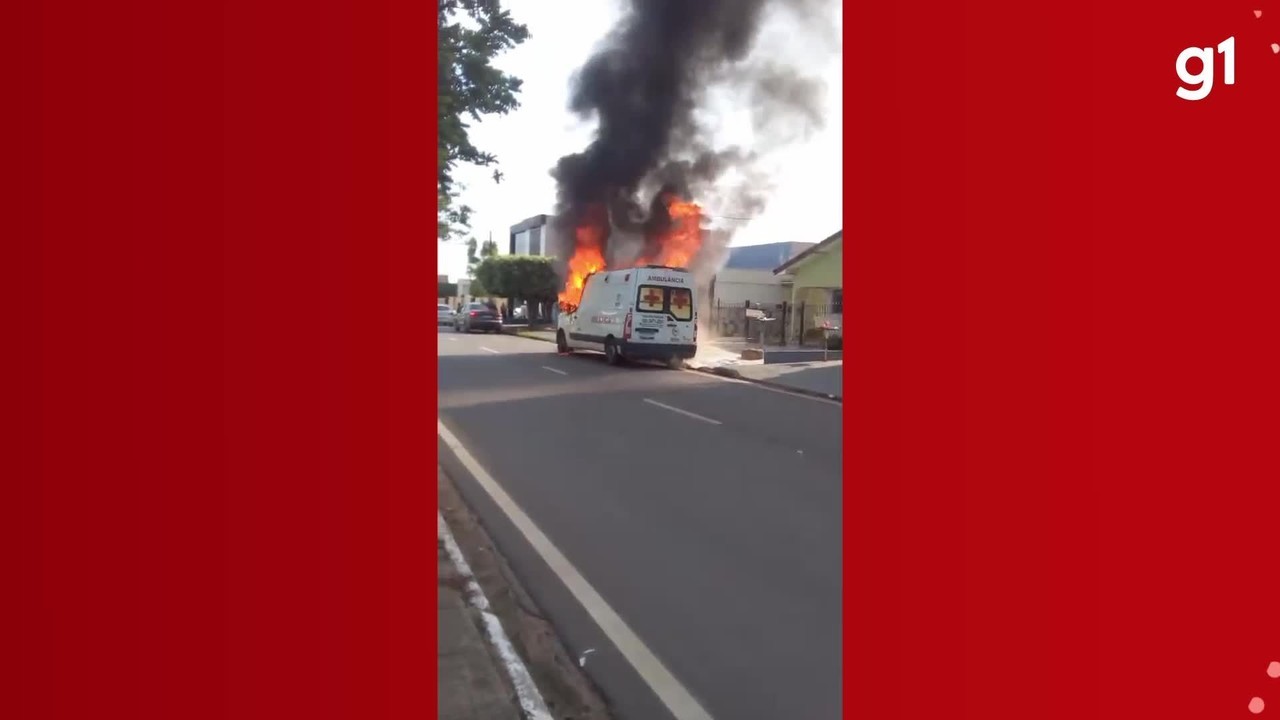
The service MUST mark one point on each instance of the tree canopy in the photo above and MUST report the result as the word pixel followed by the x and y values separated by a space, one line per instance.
pixel 472 34
pixel 488 248
pixel 519 277
pixel 473 258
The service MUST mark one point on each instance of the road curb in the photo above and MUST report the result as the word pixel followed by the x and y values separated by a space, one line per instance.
pixel 736 375
pixel 528 696
pixel 537 641
pixel 533 337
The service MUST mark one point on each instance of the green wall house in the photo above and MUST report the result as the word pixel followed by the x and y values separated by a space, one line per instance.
pixel 817 286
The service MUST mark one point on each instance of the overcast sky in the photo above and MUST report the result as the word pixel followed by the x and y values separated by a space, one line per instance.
pixel 805 207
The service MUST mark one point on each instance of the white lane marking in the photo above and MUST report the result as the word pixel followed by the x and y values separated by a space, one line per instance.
pixel 531 701
pixel 490 350
pixel 686 413
pixel 558 372
pixel 679 701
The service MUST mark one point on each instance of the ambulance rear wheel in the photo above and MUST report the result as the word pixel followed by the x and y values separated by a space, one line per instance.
pixel 562 343
pixel 675 363
pixel 611 354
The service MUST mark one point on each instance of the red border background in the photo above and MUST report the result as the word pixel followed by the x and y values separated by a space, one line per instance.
pixel 1062 494
pixel 225 442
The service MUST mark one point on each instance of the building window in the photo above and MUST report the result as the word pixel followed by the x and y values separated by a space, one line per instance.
pixel 837 301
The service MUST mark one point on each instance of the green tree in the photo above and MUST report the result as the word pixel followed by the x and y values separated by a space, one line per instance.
pixel 521 278
pixel 488 248
pixel 491 273
pixel 473 258
pixel 472 34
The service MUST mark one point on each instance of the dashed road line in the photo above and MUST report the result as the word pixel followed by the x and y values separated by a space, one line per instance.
pixel 490 350
pixel 558 372
pixel 686 413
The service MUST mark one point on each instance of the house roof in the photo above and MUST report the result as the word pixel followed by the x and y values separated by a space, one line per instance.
pixel 810 253
pixel 763 257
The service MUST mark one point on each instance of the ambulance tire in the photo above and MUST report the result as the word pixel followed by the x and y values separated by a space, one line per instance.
pixel 562 343
pixel 611 354
pixel 675 363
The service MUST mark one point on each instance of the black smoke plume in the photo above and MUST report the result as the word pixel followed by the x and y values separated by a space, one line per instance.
pixel 647 87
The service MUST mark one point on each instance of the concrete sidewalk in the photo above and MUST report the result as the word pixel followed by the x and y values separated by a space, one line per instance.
pixel 813 378
pixel 470 683
pixel 823 379
pixel 715 354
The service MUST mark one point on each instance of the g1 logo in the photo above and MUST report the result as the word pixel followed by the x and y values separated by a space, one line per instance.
pixel 1202 82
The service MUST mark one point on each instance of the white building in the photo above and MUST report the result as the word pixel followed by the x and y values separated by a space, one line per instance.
pixel 737 286
pixel 462 292
pixel 748 278
pixel 747 275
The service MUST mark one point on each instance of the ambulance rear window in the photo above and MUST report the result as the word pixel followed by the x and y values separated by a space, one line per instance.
pixel 681 303
pixel 652 298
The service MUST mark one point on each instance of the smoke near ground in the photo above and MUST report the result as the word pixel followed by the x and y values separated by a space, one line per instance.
pixel 651 86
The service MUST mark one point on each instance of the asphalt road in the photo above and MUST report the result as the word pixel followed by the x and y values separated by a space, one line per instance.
pixel 706 512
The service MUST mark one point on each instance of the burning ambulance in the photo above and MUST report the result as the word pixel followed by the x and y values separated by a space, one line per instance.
pixel 645 309
pixel 640 313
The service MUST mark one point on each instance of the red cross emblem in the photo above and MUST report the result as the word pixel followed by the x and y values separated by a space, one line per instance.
pixel 652 297
pixel 680 299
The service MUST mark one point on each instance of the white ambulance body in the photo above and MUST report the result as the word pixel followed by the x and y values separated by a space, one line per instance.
pixel 643 313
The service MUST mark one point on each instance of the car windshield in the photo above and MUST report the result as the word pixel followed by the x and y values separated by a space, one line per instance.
pixel 477 306
pixel 444 308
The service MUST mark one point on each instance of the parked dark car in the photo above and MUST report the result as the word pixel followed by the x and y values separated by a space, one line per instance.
pixel 478 316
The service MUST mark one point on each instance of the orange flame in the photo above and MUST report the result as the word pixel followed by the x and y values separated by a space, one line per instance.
pixel 678 246
pixel 588 257
pixel 681 242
